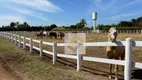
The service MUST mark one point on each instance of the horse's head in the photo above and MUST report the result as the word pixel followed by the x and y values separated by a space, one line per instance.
pixel 112 35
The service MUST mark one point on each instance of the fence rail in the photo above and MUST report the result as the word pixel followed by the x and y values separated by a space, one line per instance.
pixel 127 63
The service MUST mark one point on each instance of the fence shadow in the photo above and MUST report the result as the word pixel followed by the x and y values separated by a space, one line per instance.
pixel 84 68
pixel 137 74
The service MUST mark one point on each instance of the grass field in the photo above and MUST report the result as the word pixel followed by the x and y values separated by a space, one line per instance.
pixel 19 62
pixel 92 67
pixel 96 51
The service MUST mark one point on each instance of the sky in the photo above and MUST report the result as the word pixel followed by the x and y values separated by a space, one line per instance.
pixel 68 12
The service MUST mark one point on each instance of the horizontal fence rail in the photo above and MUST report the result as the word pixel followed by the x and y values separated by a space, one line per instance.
pixel 127 63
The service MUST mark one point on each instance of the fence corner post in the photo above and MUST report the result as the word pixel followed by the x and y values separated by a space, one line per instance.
pixel 41 50
pixel 78 57
pixel 128 59
pixel 54 52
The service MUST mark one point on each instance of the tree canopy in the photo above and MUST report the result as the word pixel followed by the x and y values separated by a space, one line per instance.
pixel 132 24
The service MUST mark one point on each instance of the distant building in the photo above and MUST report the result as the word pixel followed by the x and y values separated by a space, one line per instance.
pixel 58 28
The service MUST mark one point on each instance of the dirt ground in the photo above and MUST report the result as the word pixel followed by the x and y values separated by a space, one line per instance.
pixel 5 74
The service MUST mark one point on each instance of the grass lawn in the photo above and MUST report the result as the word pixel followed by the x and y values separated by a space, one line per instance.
pixel 32 67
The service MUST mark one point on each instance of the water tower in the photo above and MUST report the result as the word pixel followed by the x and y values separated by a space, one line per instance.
pixel 94 17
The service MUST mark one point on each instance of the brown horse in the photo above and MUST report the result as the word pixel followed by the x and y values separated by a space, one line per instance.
pixel 61 35
pixel 114 52
pixel 52 34
pixel 39 34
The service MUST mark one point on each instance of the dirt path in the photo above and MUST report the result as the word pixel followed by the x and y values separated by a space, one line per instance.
pixel 5 75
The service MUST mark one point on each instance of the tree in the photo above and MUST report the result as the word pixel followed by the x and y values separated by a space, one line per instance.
pixel 17 24
pixel 26 26
pixel 73 26
pixel 133 21
pixel 53 26
pixel 78 25
pixel 125 23
pixel 12 25
pixel 83 22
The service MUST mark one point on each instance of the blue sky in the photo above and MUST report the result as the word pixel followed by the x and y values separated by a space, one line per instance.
pixel 67 12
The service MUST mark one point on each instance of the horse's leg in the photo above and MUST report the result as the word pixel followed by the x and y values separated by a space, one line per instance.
pixel 110 56
pixel 116 72
pixel 110 68
pixel 122 58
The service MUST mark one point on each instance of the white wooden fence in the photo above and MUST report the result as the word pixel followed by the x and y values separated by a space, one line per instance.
pixel 121 31
pixel 127 63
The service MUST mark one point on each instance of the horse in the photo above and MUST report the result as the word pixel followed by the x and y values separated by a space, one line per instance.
pixel 53 34
pixel 60 35
pixel 45 34
pixel 39 34
pixel 114 52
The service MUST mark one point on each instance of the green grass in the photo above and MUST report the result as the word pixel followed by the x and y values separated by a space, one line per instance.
pixel 32 66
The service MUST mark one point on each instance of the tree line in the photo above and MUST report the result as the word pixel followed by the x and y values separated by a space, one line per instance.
pixel 133 24
pixel 16 26
pixel 122 25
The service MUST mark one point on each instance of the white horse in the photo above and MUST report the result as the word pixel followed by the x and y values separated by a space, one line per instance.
pixel 114 52
pixel 45 34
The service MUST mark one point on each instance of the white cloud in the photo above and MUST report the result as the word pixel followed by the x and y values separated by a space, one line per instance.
pixel 43 5
pixel 27 12
pixel 125 15
pixel 6 19
pixel 130 3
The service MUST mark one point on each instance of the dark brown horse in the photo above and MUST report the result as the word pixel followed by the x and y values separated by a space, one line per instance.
pixel 53 34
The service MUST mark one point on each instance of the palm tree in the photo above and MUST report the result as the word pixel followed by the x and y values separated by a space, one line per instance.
pixel 83 22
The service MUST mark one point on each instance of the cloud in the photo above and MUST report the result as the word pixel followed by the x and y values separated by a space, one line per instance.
pixel 130 3
pixel 124 15
pixel 27 12
pixel 6 19
pixel 42 5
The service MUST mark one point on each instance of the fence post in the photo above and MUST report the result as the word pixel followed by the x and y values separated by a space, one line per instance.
pixel 78 57
pixel 54 52
pixel 19 37
pixel 4 35
pixel 128 59
pixel 41 50
pixel 12 37
pixel 8 36
pixel 31 45
pixel 24 42
pixel 15 38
